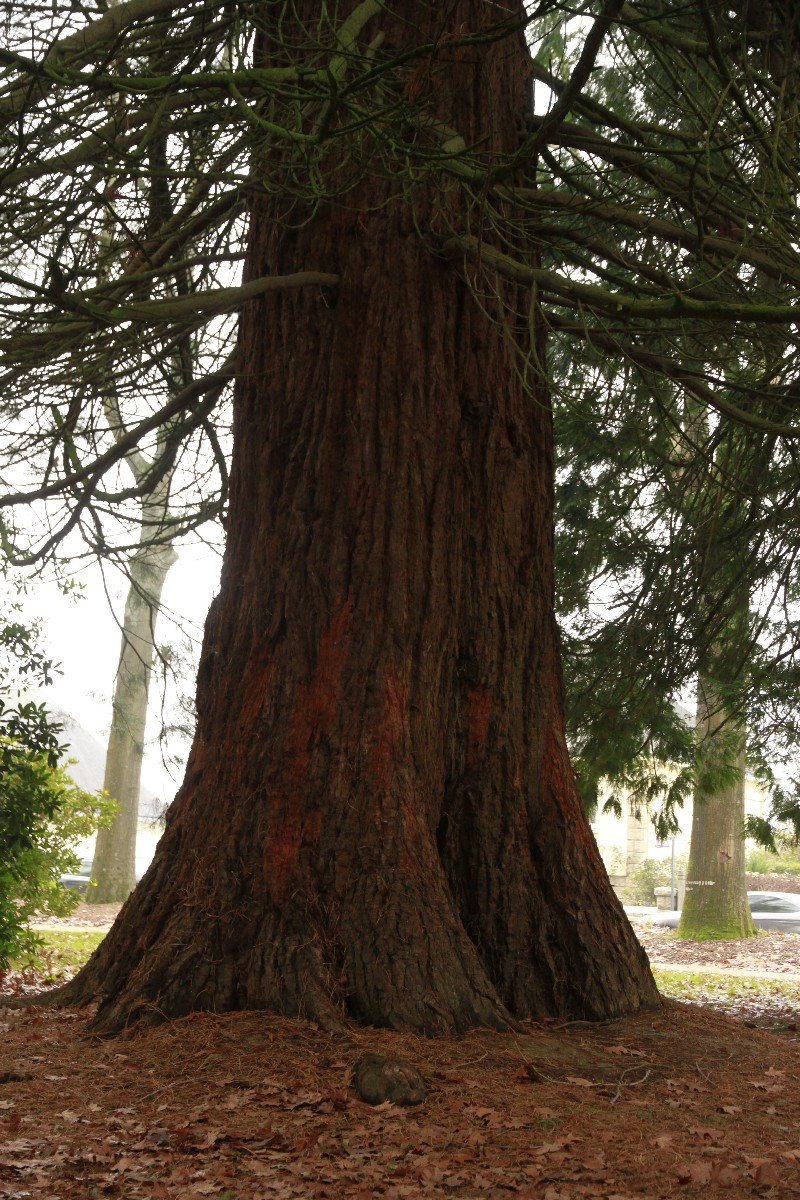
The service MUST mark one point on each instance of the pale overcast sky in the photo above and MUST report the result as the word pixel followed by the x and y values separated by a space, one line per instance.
pixel 83 636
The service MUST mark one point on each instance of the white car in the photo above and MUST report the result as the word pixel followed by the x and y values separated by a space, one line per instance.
pixel 770 910
pixel 80 881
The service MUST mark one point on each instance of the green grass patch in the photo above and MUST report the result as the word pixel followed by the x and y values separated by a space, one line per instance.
pixel 62 953
pixel 701 986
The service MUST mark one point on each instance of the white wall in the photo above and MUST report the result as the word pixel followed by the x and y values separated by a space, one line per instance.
pixel 625 841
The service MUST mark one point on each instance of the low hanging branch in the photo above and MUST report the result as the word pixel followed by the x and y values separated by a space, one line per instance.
pixel 174 309
pixel 198 399
pixel 572 293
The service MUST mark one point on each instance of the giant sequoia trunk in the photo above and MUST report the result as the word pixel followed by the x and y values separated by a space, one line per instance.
pixel 379 818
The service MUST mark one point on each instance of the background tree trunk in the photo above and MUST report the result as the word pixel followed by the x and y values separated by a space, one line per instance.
pixel 715 904
pixel 379 818
pixel 114 866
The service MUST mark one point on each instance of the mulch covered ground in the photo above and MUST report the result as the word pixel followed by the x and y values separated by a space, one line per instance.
pixel 674 1103
pixel 768 951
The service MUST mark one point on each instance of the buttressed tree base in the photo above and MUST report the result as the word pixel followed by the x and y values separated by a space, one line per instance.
pixel 379 819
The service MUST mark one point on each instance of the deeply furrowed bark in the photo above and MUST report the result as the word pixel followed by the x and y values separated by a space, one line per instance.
pixel 379 818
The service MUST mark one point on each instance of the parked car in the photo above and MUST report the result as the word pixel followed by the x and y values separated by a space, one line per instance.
pixel 80 881
pixel 770 910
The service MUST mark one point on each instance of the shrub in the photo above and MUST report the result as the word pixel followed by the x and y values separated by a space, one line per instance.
pixel 641 883
pixel 772 883
pixel 765 862
pixel 42 812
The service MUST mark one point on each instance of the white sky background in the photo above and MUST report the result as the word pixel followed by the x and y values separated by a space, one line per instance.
pixel 83 635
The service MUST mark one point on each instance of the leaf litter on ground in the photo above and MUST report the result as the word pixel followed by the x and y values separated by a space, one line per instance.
pixel 250 1106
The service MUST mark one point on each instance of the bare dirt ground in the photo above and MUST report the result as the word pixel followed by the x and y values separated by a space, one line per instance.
pixel 671 1103
pixel 85 916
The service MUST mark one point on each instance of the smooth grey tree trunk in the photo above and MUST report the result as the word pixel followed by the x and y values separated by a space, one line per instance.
pixel 715 905
pixel 114 869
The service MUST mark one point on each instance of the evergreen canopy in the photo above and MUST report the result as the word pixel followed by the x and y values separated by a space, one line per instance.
pixel 651 208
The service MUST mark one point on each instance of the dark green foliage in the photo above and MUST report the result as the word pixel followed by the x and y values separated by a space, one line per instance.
pixel 676 540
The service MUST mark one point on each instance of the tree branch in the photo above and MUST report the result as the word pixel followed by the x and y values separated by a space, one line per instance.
pixel 150 312
pixel 213 384
pixel 572 292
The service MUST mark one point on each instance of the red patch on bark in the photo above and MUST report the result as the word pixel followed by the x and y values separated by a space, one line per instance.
pixel 477 711
pixel 317 704
pixel 316 709
pixel 312 826
pixel 253 689
pixel 283 854
pixel 390 731
pixel 284 850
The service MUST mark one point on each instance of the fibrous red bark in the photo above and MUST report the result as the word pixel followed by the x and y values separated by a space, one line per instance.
pixel 379 818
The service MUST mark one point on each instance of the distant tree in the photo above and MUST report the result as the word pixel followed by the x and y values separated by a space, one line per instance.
pixel 147 566
pixel 157 490
pixel 715 904
pixel 114 866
